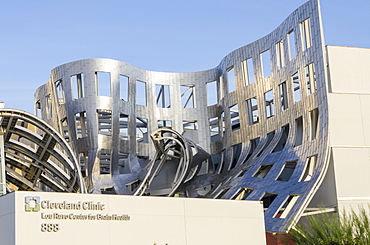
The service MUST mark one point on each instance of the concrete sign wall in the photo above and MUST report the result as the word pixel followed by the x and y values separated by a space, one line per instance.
pixel 56 218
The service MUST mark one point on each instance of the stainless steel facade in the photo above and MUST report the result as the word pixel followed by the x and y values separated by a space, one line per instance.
pixel 267 132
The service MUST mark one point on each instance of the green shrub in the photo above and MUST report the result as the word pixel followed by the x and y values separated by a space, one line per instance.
pixel 324 229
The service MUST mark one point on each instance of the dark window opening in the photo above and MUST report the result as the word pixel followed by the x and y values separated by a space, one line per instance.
pixel 287 172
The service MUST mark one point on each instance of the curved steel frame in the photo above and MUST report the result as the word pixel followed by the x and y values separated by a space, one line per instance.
pixel 288 137
pixel 37 158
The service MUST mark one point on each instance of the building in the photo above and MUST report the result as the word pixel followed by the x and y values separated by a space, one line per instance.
pixel 268 123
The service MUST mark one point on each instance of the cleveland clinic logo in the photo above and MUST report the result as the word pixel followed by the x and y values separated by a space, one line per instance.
pixel 32 204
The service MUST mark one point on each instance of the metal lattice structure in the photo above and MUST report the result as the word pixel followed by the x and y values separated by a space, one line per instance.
pixel 267 132
pixel 37 158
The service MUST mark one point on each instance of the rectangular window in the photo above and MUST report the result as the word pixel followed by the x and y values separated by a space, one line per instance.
pixel 286 207
pixel 187 96
pixel 263 170
pixel 59 92
pixel 231 79
pixel 234 115
pixel 283 96
pixel 103 83
pixel 140 93
pixel 77 85
pixel 237 149
pixel 223 123
pixel 123 90
pixel 280 54
pixel 221 86
pixel 298 131
pixel 287 171
pixel 214 129
pixel 252 110
pixel 163 96
pixel 267 199
pixel 105 121
pixel 309 168
pixel 81 129
pixel 296 87
pixel 248 71
pixel 123 126
pixel 292 45
pixel 141 130
pixel 265 62
pixel 65 129
pixel 314 121
pixel 38 109
pixel 242 193
pixel 305 33
pixel 212 93
pixel 269 103
pixel 310 78
pixel 104 157
pixel 190 125
pixel 164 124
pixel 49 107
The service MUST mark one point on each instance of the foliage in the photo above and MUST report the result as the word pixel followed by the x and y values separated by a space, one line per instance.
pixel 323 229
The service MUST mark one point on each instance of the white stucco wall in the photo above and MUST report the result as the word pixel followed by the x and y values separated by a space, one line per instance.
pixel 349 123
pixel 153 220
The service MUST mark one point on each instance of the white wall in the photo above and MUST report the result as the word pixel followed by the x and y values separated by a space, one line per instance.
pixel 349 122
pixel 153 220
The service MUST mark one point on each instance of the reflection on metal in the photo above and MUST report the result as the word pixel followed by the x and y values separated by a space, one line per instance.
pixel 36 158
pixel 172 148
pixel 244 132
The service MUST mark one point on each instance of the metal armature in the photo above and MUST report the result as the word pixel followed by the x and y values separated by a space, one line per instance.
pixel 172 148
pixel 34 156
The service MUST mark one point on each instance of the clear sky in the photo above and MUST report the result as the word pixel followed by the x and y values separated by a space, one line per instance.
pixel 161 35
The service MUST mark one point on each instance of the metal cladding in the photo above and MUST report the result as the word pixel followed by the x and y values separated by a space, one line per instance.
pixel 267 132
pixel 37 158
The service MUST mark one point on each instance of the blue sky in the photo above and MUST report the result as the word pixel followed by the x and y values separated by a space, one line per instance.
pixel 161 35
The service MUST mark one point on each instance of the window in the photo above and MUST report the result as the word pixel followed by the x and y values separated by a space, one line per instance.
pixel 283 96
pixel 234 114
pixel 81 129
pixel 214 129
pixel 187 96
pixel 103 83
pixel 49 107
pixel 263 170
pixel 223 123
pixel 283 138
pixel 163 96
pixel 123 87
pixel 221 86
pixel 236 150
pixel 280 62
pixel 266 64
pixel 38 109
pixel 133 185
pixel 105 121
pixel 305 29
pixel 298 131
pixel 231 79
pixel 267 199
pixel 287 172
pixel 59 92
pixel 212 93
pixel 65 129
pixel 248 71
pixel 216 160
pixel 104 157
pixel 140 93
pixel 286 207
pixel 269 103
pixel 269 137
pixel 77 85
pixel 141 130
pixel 310 78
pixel 296 87
pixel 190 125
pixel 252 110
pixel 222 192
pixel 123 126
pixel 309 168
pixel 252 147
pixel 164 124
pixel 242 193
pixel 291 44
pixel 314 123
